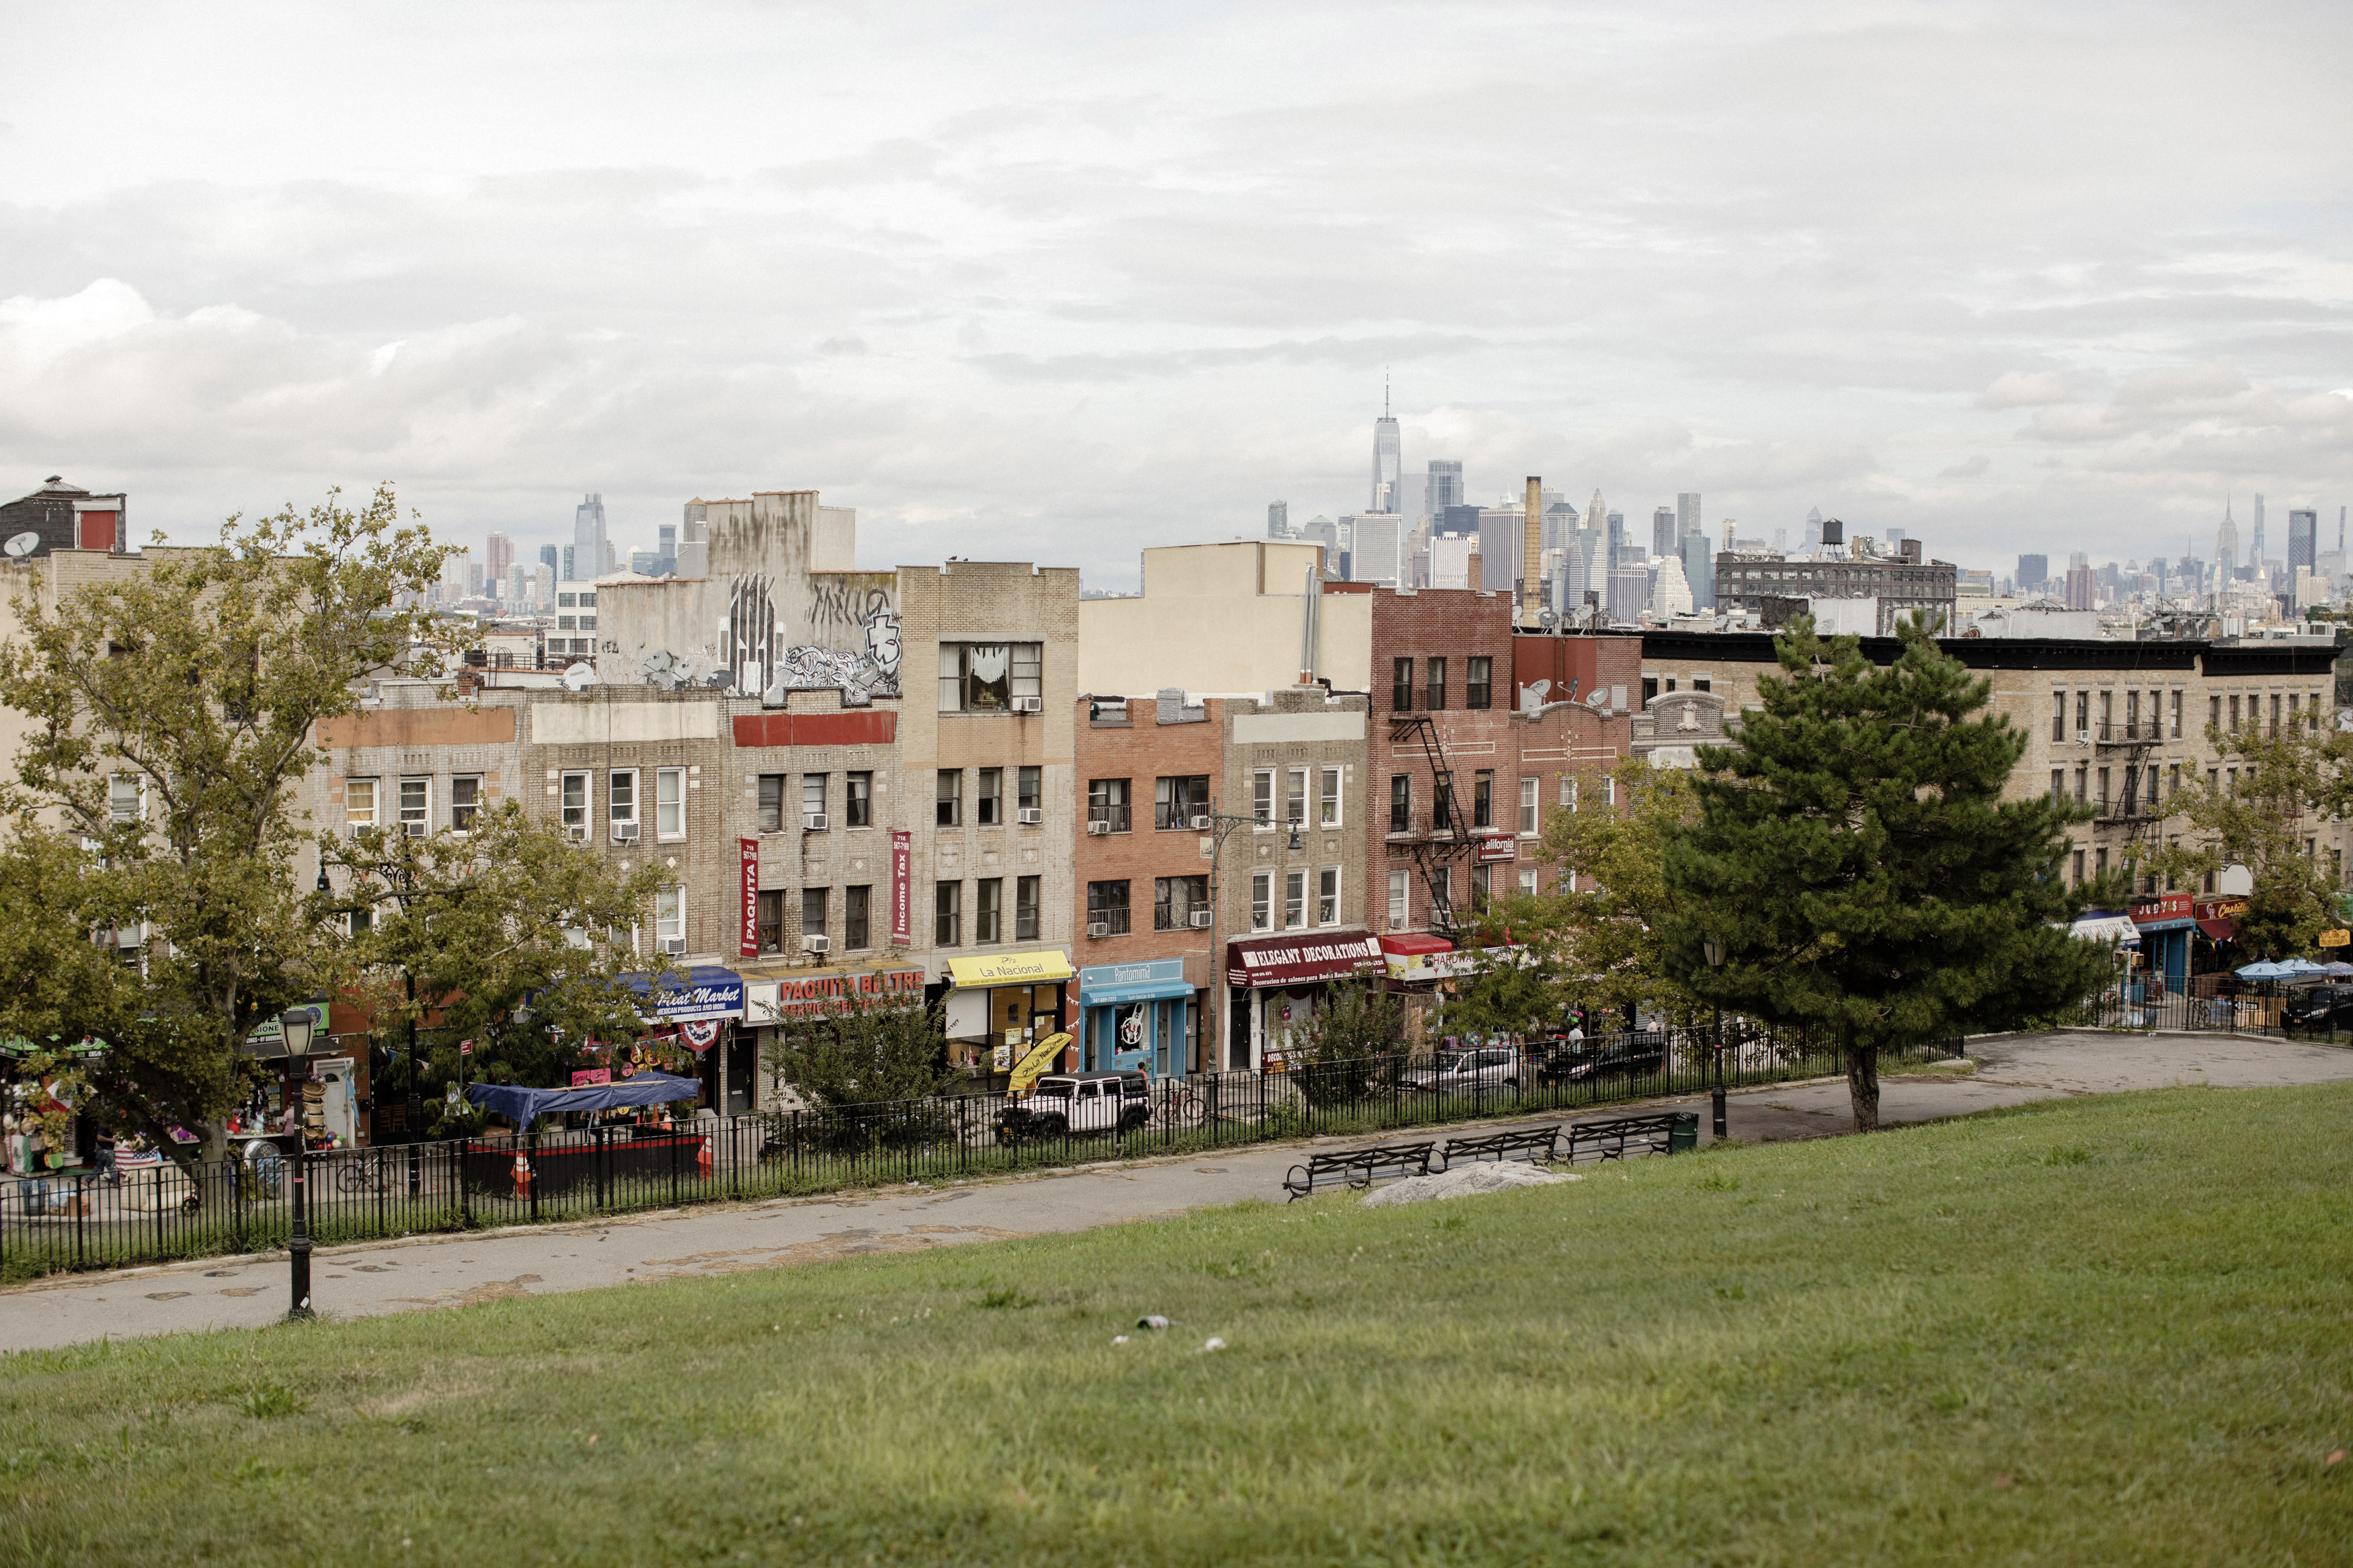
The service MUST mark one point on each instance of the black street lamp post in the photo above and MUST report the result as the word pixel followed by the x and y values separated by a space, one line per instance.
pixel 1716 962
pixel 297 1024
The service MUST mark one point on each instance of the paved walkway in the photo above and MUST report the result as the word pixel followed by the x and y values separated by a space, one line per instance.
pixel 455 1271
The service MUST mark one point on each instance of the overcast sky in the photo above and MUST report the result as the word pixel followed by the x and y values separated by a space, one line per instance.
pixel 1056 283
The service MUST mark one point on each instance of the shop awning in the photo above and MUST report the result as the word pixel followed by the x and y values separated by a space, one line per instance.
pixel 1040 968
pixel 2182 924
pixel 2220 930
pixel 1107 985
pixel 805 996
pixel 521 1105
pixel 1257 963
pixel 1415 955
pixel 2104 927
pixel 705 991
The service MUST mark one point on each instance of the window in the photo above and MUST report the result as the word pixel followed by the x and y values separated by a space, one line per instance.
pixel 2103 791
pixel 2275 715
pixel 416 806
pixel 2177 715
pixel 1328 813
pixel 1482 798
pixel 359 802
pixel 1328 896
pixel 1650 689
pixel 857 799
pixel 465 803
pixel 1400 897
pixel 2083 776
pixel 812 796
pixel 1568 793
pixel 2234 714
pixel 1527 808
pixel 1703 683
pixel 988 798
pixel 1025 908
pixel 1609 789
pixel 988 910
pixel 772 803
pixel 1262 901
pixel 1175 801
pixel 2058 783
pixel 669 919
pixel 1401 802
pixel 1174 900
pixel 1528 883
pixel 2083 714
pixel 1294 899
pixel 1478 688
pixel 358 921
pixel 2173 781
pixel 1262 796
pixel 2079 869
pixel 2152 785
pixel 670 802
pixel 2058 715
pixel 576 805
pixel 2099 862
pixel 1107 802
pixel 1401 684
pixel 1434 694
pixel 1107 908
pixel 857 904
pixel 947 914
pixel 126 799
pixel 1295 797
pixel 950 807
pixel 621 799
pixel 770 913
pixel 1028 789
pixel 2213 713
pixel 813 911
pixel 984 678
pixel 1481 876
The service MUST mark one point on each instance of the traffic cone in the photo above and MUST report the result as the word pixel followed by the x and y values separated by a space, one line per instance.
pixel 702 1157
pixel 521 1176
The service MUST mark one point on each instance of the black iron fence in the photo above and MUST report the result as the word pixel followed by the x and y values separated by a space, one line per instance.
pixel 245 1203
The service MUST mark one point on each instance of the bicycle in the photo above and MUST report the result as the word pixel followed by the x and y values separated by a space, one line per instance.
pixel 362 1171
pixel 1179 1105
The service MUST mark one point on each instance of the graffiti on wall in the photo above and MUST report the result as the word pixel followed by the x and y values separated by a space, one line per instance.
pixel 753 654
pixel 861 675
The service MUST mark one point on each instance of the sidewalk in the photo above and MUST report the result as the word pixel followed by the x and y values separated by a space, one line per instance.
pixel 717 1239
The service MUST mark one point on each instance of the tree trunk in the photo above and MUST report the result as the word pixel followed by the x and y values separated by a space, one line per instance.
pixel 1862 1084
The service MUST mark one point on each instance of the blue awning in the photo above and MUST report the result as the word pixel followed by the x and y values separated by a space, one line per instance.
pixel 522 1106
pixel 1104 984
pixel 2147 926
pixel 705 991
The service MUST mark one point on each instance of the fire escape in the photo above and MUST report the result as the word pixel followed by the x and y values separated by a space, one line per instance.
pixel 1433 839
pixel 2135 813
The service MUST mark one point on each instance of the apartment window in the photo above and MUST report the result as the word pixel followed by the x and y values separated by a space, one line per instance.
pixel 669 919
pixel 416 806
pixel 1262 901
pixel 2132 716
pixel 576 805
pixel 1328 896
pixel 772 803
pixel 1107 802
pixel 1703 683
pixel 1444 812
pixel 1401 684
pixel 2107 712
pixel 1025 908
pixel 2173 781
pixel 1528 883
pixel 1028 789
pixel 2177 715
pixel 465 802
pixel 1107 908
pixel 1295 797
pixel 1609 789
pixel 1482 798
pixel 2083 715
pixel 1434 691
pixel 2059 716
pixel 770 913
pixel 1650 689
pixel 1174 900
pixel 1262 798
pixel 2103 791
pixel 984 678
pixel 1294 899
pixel 1400 896
pixel 670 802
pixel 1527 808
pixel 2099 862
pixel 1481 888
pixel 2213 713
pixel 2275 715
pixel 949 808
pixel 988 910
pixel 1568 793
pixel 988 798
pixel 813 911
pixel 857 799
pixel 1328 814
pixel 2152 786
pixel 126 799
pixel 1478 688
pixel 1177 800
pixel 1401 802
pixel 857 906
pixel 2132 789
pixel 2234 715
pixel 812 797
pixel 2079 871
pixel 621 796
pixel 359 802
pixel 2058 783
pixel 947 915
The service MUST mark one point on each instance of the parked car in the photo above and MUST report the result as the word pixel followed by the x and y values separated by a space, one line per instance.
pixel 1077 1102
pixel 1619 1055
pixel 1487 1067
pixel 2329 1008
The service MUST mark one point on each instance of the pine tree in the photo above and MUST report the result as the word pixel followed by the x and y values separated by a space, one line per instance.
pixel 1855 857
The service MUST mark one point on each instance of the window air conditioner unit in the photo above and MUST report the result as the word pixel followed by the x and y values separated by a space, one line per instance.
pixel 673 945
pixel 816 944
pixel 2083 737
pixel 1030 815
pixel 1100 826
pixel 1200 920
pixel 813 821
pixel 624 833
pixel 577 834
pixel 1098 930
pixel 1029 705
pixel 1200 825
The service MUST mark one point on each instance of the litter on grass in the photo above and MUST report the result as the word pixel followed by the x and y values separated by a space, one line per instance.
pixel 1119 1339
pixel 1152 1320
pixel 1212 1344
pixel 1463 1182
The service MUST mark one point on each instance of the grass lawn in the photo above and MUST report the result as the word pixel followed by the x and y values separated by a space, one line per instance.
pixel 2098 1329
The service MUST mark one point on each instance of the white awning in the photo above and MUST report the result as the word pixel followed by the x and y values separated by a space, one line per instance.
pixel 2118 929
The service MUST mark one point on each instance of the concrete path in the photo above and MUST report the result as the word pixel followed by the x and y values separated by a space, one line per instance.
pixel 714 1239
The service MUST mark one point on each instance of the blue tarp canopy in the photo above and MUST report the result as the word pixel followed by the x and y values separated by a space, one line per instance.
pixel 521 1105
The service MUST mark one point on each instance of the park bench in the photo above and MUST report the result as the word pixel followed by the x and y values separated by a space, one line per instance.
pixel 1615 1138
pixel 1357 1167
pixel 1534 1144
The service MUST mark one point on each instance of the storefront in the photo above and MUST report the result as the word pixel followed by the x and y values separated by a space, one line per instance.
pixel 2215 946
pixel 1277 982
pixel 330 1085
pixel 2167 925
pixel 1139 1018
pixel 769 1001
pixel 695 1015
pixel 998 1007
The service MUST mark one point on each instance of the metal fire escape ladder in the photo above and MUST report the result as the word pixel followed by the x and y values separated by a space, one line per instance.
pixel 1439 840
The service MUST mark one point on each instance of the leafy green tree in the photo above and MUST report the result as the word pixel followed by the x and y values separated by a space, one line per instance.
pixel 2266 813
pixel 172 708
pixel 861 1050
pixel 1355 1039
pixel 1854 856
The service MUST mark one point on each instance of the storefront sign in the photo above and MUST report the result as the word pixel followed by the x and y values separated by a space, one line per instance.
pixel 1043 967
pixel 582 1077
pixel 902 861
pixel 2335 938
pixel 748 944
pixel 2164 906
pixel 706 991
pixel 1300 961
pixel 1500 848
pixel 807 995
pixel 1107 985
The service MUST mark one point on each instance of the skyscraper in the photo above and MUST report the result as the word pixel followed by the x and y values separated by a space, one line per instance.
pixel 1699 565
pixel 549 558
pixel 2033 570
pixel 1665 537
pixel 498 561
pixel 2255 551
pixel 2226 548
pixel 1278 519
pixel 2303 537
pixel 1388 459
pixel 1443 488
pixel 1687 522
pixel 1813 530
pixel 592 550
pixel 1377 549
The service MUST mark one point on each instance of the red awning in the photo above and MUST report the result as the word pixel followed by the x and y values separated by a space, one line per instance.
pixel 1405 944
pixel 1306 959
pixel 2220 930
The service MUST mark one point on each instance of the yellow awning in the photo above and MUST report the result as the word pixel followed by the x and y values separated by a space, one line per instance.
pixel 1042 968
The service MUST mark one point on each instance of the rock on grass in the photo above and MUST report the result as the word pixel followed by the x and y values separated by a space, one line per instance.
pixel 1463 1182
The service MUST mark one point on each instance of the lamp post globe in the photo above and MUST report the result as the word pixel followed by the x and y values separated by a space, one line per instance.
pixel 296 1025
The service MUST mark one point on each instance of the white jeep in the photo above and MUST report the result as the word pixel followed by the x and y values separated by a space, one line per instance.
pixel 1064 1103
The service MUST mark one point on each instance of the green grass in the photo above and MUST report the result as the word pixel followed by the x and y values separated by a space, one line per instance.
pixel 2113 1330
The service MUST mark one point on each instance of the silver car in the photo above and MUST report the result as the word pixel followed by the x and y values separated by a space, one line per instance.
pixel 1487 1067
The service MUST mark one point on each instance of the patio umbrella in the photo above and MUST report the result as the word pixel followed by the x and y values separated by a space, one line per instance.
pixel 2265 971
pixel 2300 966
pixel 2340 967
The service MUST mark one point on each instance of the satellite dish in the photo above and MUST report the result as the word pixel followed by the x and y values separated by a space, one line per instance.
pixel 579 677
pixel 24 544
pixel 1598 702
